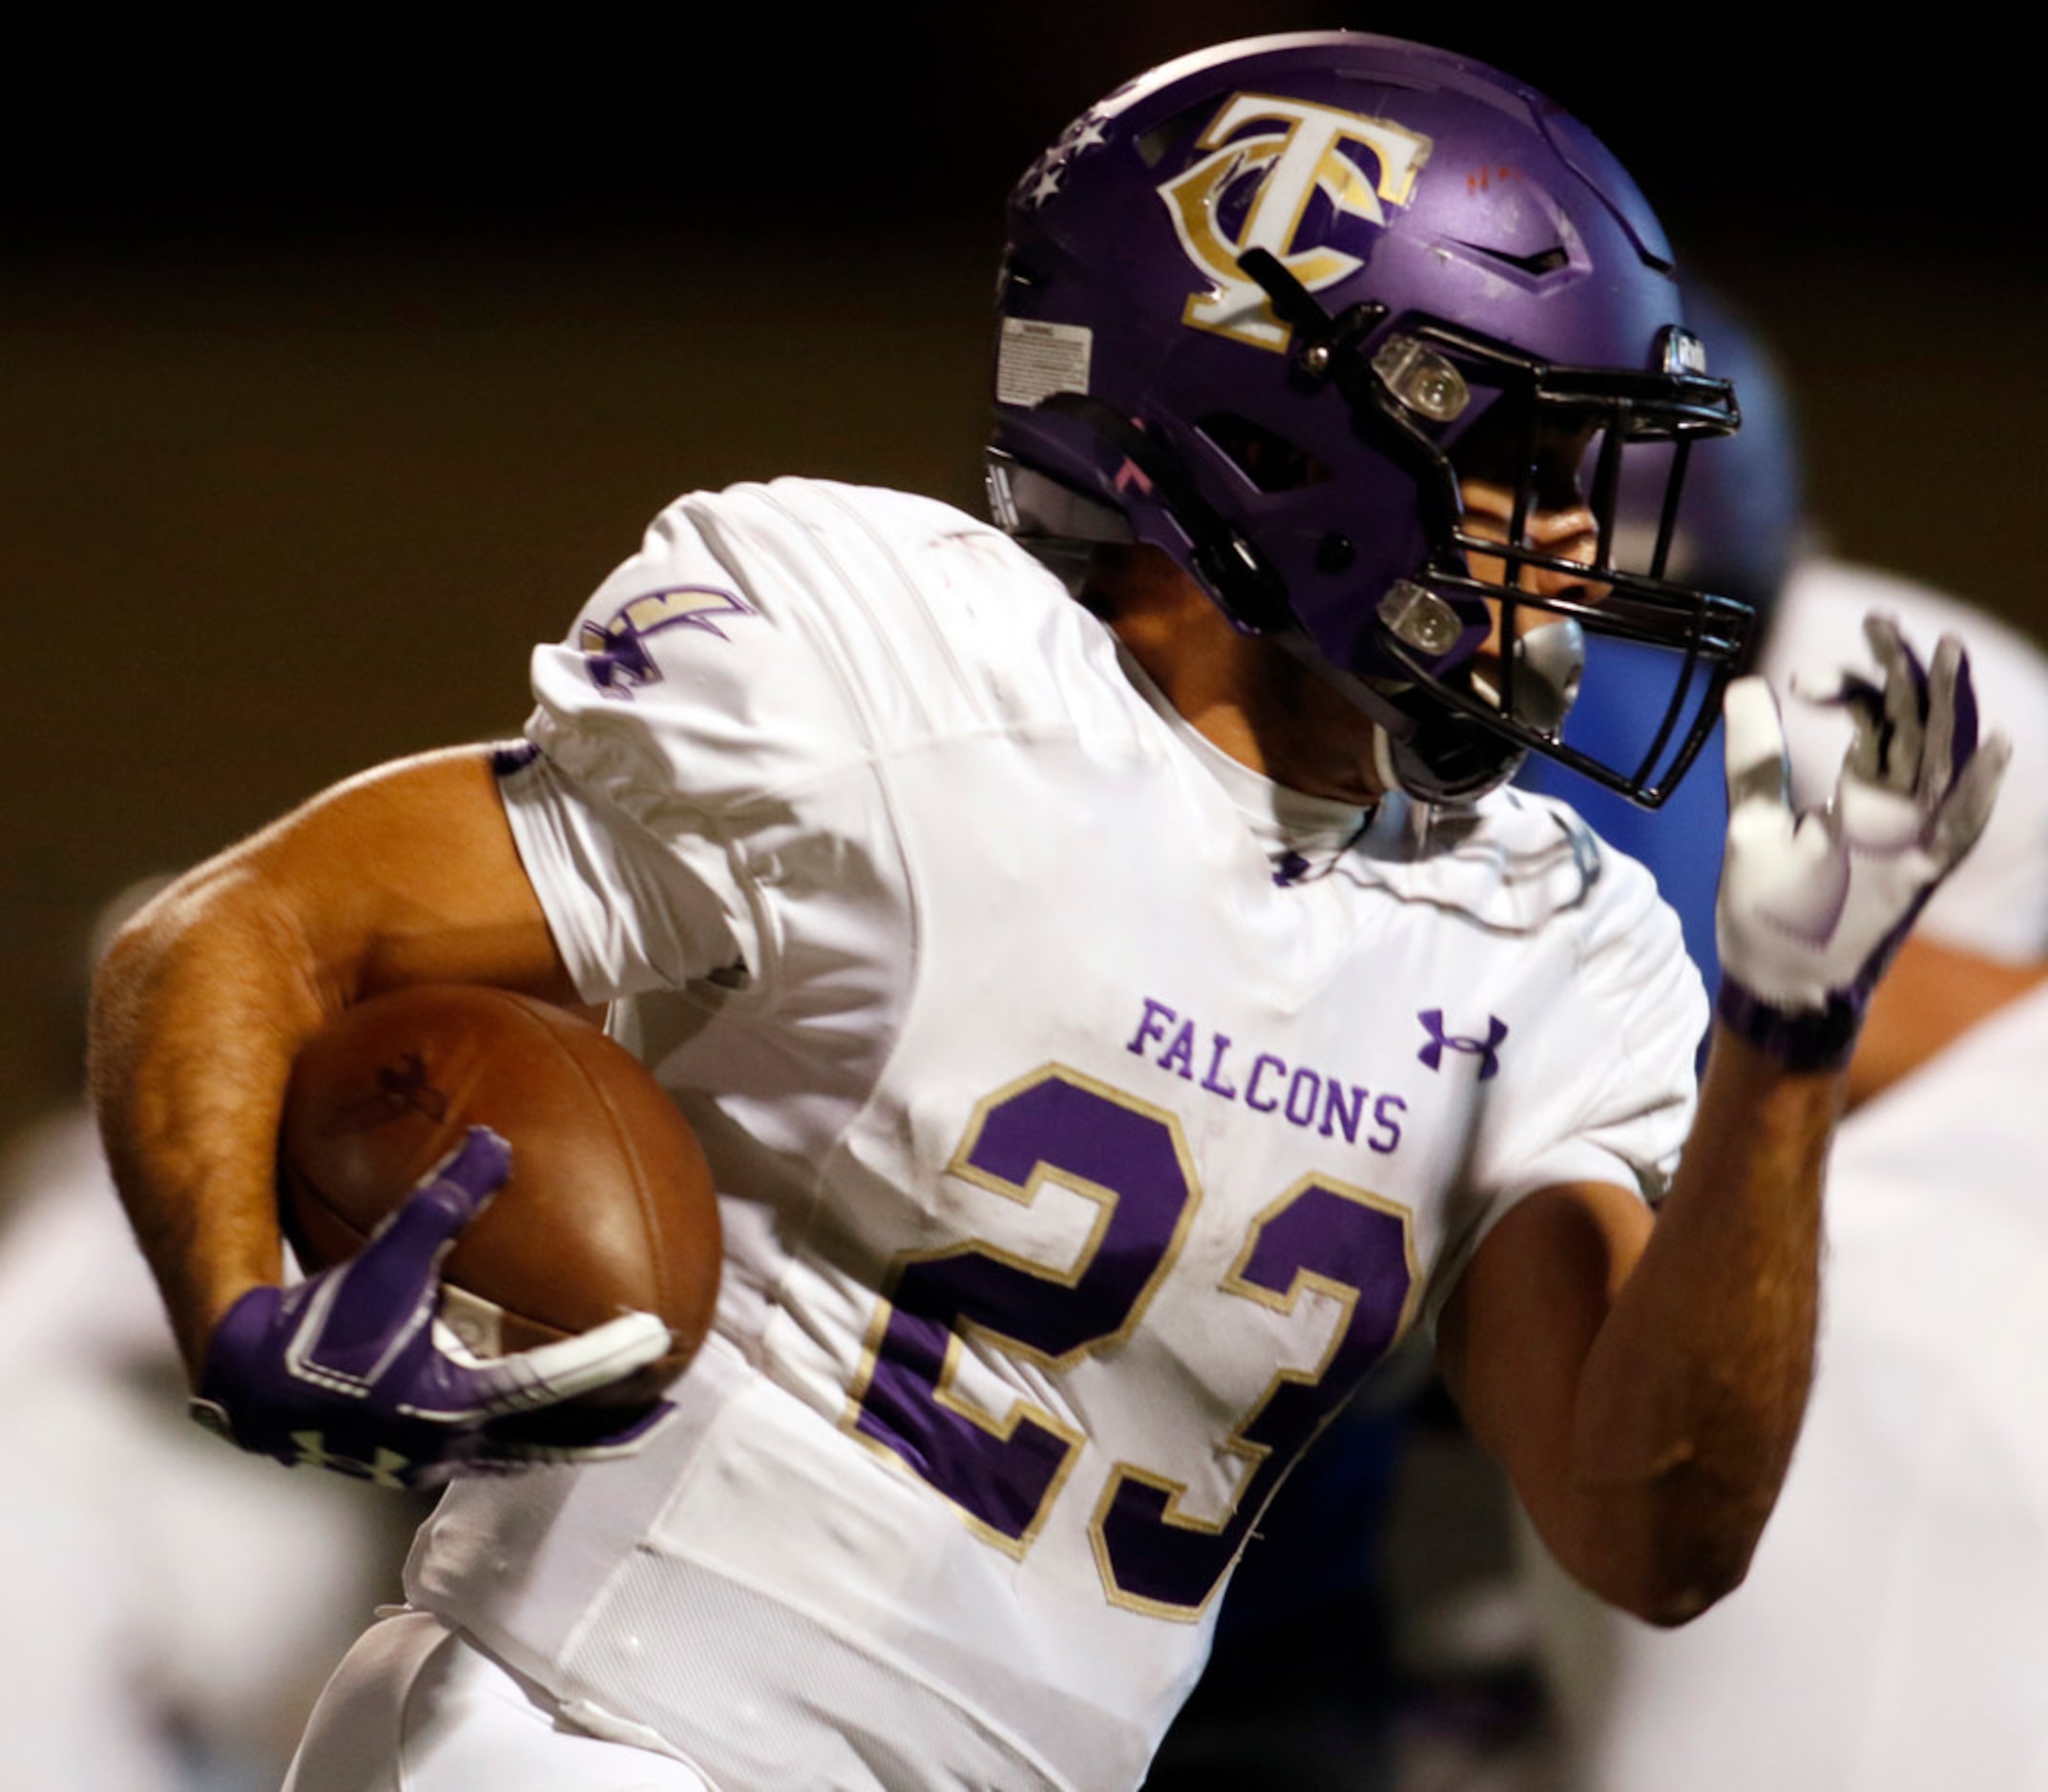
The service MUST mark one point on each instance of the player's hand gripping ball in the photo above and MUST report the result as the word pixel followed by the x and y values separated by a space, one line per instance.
pixel 470 1302
pixel 1813 908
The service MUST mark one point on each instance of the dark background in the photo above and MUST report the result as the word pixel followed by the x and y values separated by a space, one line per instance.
pixel 339 365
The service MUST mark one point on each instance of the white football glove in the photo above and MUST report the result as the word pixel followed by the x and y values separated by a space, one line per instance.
pixel 1813 907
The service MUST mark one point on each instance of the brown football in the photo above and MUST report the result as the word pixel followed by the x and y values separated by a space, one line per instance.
pixel 610 1203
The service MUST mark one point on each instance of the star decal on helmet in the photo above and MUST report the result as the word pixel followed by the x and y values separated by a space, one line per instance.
pixel 1043 177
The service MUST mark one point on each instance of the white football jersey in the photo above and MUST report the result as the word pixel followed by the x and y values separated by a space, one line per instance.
pixel 1089 1116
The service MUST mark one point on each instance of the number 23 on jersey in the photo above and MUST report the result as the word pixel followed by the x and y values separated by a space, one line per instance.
pixel 1129 1159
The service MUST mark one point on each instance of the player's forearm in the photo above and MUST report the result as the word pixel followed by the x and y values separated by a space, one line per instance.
pixel 1684 1412
pixel 406 874
pixel 197 1014
pixel 1695 1386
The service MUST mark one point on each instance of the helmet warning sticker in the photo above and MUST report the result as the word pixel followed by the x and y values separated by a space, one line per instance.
pixel 1037 360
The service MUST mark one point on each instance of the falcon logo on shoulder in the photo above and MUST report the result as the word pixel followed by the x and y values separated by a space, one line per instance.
pixel 615 652
pixel 1283 175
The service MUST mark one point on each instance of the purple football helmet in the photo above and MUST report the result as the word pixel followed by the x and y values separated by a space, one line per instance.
pixel 1268 306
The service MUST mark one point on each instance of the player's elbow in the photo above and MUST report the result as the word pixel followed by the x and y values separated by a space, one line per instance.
pixel 215 936
pixel 1680 1598
pixel 1666 1600
pixel 1665 1567
pixel 131 965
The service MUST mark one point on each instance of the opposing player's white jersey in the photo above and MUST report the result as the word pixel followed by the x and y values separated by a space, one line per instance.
pixel 1890 1635
pixel 1089 1116
pixel 1996 904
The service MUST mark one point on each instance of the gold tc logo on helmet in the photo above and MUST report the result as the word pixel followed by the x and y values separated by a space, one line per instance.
pixel 1299 153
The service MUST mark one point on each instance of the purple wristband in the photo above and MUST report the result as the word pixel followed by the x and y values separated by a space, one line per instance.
pixel 1814 1039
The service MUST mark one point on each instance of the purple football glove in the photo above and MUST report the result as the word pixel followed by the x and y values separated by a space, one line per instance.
pixel 351 1370
pixel 1813 907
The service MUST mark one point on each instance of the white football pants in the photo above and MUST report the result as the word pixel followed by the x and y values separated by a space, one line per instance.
pixel 415 1707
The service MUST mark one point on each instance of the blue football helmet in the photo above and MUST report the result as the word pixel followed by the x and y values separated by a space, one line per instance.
pixel 1740 527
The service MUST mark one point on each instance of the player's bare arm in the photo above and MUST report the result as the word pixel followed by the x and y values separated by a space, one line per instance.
pixel 1643 1384
pixel 403 875
pixel 1932 997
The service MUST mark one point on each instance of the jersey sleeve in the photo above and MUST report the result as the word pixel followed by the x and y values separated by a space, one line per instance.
pixel 697 731
pixel 1606 1082
pixel 1619 1066
pixel 632 909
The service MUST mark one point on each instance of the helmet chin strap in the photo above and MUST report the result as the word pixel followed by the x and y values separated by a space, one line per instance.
pixel 1453 759
pixel 1430 752
pixel 1384 768
pixel 1438 754
pixel 1450 756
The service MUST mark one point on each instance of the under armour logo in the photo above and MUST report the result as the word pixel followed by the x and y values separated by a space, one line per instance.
pixel 382 1470
pixel 1440 1042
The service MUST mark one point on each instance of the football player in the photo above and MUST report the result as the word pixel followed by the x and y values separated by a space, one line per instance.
pixel 1117 1006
